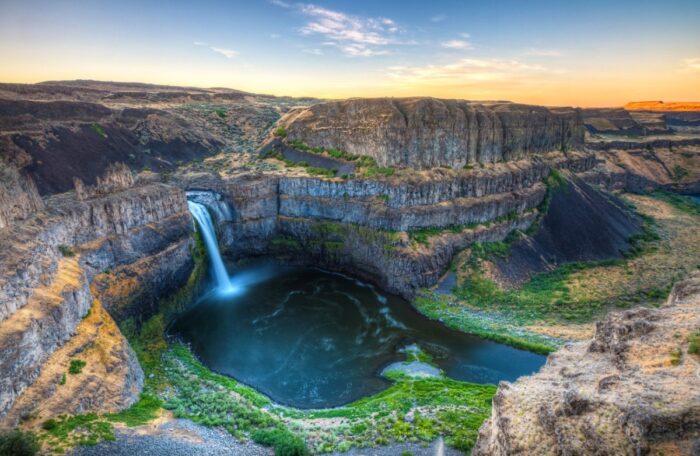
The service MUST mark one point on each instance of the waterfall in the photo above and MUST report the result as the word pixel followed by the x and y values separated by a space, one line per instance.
pixel 206 225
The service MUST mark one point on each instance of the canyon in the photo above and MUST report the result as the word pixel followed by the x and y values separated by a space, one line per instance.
pixel 95 232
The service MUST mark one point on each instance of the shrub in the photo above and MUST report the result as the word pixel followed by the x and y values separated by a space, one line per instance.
pixel 694 343
pixel 679 172
pixel 76 366
pixel 676 355
pixel 284 442
pixel 281 132
pixel 49 424
pixel 66 251
pixel 18 443
pixel 63 379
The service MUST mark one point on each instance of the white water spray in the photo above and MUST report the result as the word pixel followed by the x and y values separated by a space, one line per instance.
pixel 206 225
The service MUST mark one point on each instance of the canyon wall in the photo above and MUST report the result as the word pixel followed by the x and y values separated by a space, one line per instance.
pixel 122 251
pixel 428 132
pixel 364 226
pixel 633 389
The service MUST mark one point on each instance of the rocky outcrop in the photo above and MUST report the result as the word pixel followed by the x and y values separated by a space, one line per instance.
pixel 646 168
pixel 50 266
pixel 427 132
pixel 117 177
pixel 19 197
pixel 631 390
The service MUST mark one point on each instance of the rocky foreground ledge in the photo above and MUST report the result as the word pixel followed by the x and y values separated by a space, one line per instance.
pixel 634 389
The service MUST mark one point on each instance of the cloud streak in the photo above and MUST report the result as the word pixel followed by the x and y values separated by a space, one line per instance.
pixel 691 64
pixel 228 53
pixel 534 52
pixel 456 44
pixel 464 72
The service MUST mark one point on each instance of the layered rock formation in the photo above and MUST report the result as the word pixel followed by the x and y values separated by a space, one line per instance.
pixel 360 225
pixel 633 389
pixel 427 132
pixel 51 264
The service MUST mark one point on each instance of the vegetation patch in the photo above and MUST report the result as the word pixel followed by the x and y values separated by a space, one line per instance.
pixel 66 251
pixel 423 235
pixel 76 366
pixel 680 202
pixel 18 443
pixel 694 343
pixel 365 166
pixel 497 328
pixel 69 431
pixel 97 128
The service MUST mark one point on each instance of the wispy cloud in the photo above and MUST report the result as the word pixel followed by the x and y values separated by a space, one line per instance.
pixel 353 35
pixel 438 18
pixel 456 44
pixel 535 52
pixel 314 51
pixel 228 53
pixel 274 36
pixel 464 72
pixel 281 3
pixel 691 64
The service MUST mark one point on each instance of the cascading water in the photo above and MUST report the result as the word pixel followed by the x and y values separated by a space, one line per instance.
pixel 206 225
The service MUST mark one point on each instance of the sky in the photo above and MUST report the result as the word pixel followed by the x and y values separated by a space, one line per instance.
pixel 581 53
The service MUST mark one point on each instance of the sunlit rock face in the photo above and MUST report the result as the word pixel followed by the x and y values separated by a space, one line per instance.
pixel 125 250
pixel 428 132
pixel 619 393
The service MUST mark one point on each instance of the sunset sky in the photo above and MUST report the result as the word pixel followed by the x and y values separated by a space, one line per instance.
pixel 595 53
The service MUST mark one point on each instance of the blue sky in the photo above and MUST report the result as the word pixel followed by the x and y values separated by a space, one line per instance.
pixel 583 53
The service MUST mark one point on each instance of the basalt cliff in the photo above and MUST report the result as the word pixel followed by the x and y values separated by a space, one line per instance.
pixel 428 132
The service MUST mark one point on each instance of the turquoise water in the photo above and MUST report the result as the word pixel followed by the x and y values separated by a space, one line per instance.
pixel 310 338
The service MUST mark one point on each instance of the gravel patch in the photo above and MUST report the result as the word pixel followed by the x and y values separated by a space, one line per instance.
pixel 437 448
pixel 173 438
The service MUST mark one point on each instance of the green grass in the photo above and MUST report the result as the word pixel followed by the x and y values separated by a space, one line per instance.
pixel 66 251
pixel 680 202
pixel 97 128
pixel 87 429
pixel 694 343
pixel 280 132
pixel 423 235
pixel 76 366
pixel 221 112
pixel 500 330
pixel 144 410
pixel 284 442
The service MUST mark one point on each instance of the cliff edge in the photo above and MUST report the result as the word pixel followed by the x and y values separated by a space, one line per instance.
pixel 634 389
pixel 429 132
